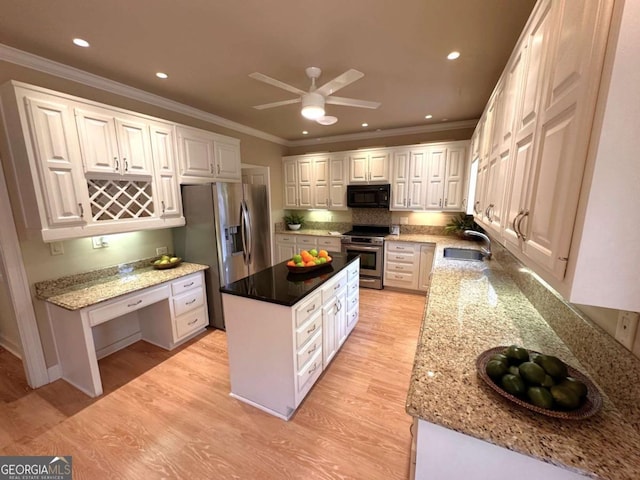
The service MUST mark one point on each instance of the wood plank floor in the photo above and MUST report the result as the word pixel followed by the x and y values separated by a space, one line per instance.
pixel 169 414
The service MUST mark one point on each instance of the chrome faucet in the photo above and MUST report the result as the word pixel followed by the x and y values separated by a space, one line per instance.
pixel 486 250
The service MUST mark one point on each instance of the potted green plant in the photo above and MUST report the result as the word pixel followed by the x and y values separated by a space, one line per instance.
pixel 461 222
pixel 294 221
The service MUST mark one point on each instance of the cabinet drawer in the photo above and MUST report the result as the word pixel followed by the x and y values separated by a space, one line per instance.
pixel 186 283
pixel 352 318
pixel 307 308
pixel 291 239
pixel 334 287
pixel 330 244
pixel 353 270
pixel 130 303
pixel 399 277
pixel 352 300
pixel 308 350
pixel 188 301
pixel 310 371
pixel 400 267
pixel 191 321
pixel 408 257
pixel 306 241
pixel 306 331
pixel 400 247
pixel 353 286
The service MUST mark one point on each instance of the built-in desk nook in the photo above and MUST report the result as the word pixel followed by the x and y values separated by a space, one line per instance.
pixel 167 307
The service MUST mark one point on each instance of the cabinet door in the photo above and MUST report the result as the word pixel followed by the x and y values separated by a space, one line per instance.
pixel 417 179
pixel 98 141
pixel 400 180
pixel 195 150
pixel 341 317
pixel 305 182
pixel 515 202
pixel 227 160
pixel 329 330
pixel 52 130
pixel 133 146
pixel 479 206
pixel 290 167
pixel 454 191
pixel 426 264
pixel 163 148
pixel 286 251
pixel 321 182
pixel 358 167
pixel 338 183
pixel 378 167
pixel 437 172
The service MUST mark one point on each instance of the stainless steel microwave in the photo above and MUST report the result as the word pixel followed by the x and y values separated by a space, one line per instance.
pixel 368 196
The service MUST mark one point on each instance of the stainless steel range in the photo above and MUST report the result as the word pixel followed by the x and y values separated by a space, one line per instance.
pixel 367 241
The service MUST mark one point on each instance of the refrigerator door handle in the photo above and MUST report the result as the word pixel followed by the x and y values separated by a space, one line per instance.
pixel 243 234
pixel 250 232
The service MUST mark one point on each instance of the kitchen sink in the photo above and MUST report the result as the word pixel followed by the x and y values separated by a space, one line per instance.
pixel 463 254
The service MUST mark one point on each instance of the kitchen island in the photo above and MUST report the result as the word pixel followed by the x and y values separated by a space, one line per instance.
pixel 474 306
pixel 284 328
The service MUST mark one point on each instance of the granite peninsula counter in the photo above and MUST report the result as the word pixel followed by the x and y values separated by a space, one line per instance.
pixel 474 306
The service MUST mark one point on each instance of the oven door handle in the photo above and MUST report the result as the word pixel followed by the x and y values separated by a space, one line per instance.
pixel 350 247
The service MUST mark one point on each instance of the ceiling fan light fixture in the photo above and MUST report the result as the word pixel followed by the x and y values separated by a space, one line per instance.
pixel 312 106
pixel 327 120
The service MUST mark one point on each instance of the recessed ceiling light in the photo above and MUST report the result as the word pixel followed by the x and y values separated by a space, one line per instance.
pixel 428 116
pixel 304 132
pixel 162 75
pixel 453 55
pixel 80 42
pixel 365 124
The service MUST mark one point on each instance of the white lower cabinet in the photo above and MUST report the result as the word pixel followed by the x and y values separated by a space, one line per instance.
pixel 407 265
pixel 276 353
pixel 440 453
pixel 287 245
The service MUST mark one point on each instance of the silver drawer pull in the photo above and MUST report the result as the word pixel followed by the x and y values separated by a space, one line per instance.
pixel 312 328
pixel 314 368
pixel 311 350
pixel 336 287
pixel 192 322
pixel 190 302
pixel 135 303
pixel 188 285
pixel 311 308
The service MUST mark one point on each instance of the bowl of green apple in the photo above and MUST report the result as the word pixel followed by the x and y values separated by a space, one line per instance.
pixel 166 261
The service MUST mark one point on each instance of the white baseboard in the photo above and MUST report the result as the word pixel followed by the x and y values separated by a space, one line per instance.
pixel 54 372
pixel 119 345
pixel 10 346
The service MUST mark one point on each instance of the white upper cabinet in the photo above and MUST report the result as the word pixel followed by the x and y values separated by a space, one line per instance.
pixel 447 166
pixel 315 181
pixel 409 179
pixel 338 181
pixel 369 166
pixel 164 150
pixel 206 156
pixel 112 143
pixel 54 147
pixel 290 169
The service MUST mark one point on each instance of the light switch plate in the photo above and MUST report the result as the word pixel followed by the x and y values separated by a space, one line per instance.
pixel 626 328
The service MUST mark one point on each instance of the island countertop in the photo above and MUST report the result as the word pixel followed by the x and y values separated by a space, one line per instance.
pixel 277 284
pixel 474 306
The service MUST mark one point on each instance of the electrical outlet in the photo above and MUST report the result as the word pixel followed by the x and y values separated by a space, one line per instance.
pixel 626 328
pixel 161 250
pixel 99 242
pixel 56 248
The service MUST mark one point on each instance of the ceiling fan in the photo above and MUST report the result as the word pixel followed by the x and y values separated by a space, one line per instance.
pixel 314 100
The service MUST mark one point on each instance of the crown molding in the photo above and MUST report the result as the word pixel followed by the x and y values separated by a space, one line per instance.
pixel 392 132
pixel 35 62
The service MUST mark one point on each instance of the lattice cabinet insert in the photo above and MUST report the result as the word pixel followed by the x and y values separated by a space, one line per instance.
pixel 120 199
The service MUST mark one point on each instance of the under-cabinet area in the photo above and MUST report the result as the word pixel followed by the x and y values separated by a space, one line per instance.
pixel 165 308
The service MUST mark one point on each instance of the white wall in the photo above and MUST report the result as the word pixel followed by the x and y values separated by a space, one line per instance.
pixel 9 334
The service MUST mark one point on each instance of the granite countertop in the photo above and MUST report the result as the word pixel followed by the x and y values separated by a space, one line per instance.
pixel 83 290
pixel 474 306
pixel 314 233
pixel 277 285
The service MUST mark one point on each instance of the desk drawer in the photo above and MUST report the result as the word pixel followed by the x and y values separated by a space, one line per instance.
pixel 127 304
pixel 186 283
pixel 188 301
pixel 191 321
pixel 306 331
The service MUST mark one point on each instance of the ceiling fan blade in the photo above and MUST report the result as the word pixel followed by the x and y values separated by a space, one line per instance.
pixel 276 83
pixel 339 82
pixel 276 104
pixel 352 102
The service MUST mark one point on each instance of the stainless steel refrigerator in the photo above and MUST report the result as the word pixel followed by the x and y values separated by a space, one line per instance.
pixel 227 228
